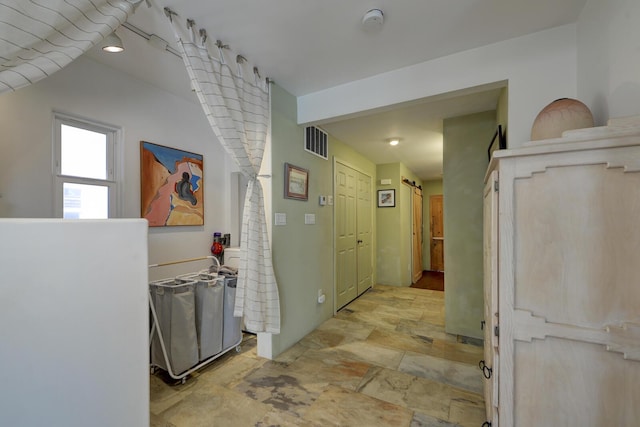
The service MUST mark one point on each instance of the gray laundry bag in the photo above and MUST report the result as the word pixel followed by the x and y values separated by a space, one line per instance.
pixel 174 302
pixel 209 297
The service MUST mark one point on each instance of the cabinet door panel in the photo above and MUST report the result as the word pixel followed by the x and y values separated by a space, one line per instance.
pixel 560 382
pixel 575 249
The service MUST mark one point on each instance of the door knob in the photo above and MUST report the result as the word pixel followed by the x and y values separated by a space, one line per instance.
pixel 359 241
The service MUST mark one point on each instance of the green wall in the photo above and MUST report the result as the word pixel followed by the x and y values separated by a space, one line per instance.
pixel 303 254
pixel 388 260
pixel 465 162
pixel 502 110
pixel 429 188
pixel 394 227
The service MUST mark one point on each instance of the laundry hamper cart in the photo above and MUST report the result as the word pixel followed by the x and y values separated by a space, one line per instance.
pixel 209 298
pixel 174 344
pixel 197 320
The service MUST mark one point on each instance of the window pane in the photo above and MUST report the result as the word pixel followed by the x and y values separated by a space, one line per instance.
pixel 83 153
pixel 85 201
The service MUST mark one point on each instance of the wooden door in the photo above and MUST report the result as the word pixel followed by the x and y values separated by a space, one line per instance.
pixel 490 290
pixel 345 217
pixel 436 232
pixel 417 234
pixel 364 230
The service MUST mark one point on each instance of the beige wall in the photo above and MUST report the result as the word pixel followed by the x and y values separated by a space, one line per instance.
pixel 465 161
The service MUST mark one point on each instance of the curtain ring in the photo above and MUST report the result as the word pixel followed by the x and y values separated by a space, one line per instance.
pixel 169 13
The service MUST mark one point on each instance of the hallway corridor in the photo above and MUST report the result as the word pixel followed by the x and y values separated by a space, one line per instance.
pixel 384 360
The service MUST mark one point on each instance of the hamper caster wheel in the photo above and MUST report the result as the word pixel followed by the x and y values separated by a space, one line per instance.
pixel 153 370
pixel 238 349
pixel 183 380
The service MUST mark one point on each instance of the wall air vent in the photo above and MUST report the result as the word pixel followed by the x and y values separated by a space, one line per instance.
pixel 316 141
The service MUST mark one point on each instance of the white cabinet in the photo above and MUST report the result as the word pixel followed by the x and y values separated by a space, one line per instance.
pixel 562 280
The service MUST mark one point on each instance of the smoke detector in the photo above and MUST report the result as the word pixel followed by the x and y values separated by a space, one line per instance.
pixel 372 19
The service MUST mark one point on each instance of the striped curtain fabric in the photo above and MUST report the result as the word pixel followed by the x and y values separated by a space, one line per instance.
pixel 40 37
pixel 236 102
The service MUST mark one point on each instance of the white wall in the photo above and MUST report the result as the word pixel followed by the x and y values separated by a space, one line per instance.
pixel 540 68
pixel 92 90
pixel 74 323
pixel 609 58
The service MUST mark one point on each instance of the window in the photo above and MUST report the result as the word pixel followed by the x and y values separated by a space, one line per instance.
pixel 85 167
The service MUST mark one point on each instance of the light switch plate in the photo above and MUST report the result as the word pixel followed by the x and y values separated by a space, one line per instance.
pixel 330 200
pixel 322 200
pixel 280 218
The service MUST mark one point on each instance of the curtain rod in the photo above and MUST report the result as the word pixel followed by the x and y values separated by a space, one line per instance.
pixel 148 37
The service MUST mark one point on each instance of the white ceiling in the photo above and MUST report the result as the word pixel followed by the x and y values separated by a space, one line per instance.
pixel 308 46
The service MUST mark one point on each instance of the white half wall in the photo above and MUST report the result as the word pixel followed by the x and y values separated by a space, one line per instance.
pixel 539 68
pixel 74 323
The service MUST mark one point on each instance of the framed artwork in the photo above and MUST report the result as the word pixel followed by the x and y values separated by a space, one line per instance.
pixel 296 182
pixel 386 198
pixel 171 186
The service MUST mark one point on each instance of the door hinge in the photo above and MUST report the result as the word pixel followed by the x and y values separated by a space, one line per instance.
pixel 496 186
pixel 496 330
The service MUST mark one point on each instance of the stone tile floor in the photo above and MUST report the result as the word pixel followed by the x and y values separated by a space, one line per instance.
pixel 384 360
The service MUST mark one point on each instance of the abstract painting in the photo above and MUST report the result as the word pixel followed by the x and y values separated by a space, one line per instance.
pixel 171 186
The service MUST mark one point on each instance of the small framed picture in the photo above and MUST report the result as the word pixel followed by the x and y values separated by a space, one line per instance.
pixel 386 198
pixel 296 182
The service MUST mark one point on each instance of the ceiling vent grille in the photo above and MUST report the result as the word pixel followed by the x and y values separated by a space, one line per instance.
pixel 316 141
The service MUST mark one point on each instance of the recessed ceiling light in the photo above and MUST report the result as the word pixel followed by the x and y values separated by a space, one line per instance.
pixel 394 142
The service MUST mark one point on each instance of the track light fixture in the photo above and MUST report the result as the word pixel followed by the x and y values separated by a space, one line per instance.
pixel 112 43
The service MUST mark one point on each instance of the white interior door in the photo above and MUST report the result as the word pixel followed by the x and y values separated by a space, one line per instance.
pixel 364 230
pixel 354 233
pixel 346 234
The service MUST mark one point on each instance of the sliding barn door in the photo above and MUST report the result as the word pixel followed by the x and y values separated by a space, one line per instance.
pixel 417 234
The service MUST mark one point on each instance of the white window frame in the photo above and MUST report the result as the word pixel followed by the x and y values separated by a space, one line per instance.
pixel 114 162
